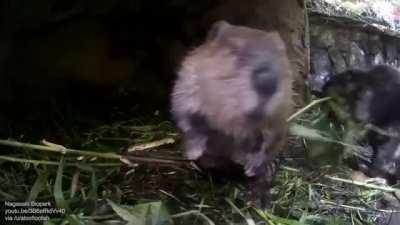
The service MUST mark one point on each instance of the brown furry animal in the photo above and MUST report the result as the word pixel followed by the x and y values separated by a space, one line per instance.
pixel 231 101
pixel 372 96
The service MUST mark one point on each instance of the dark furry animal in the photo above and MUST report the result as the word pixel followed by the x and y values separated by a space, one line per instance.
pixel 373 96
pixel 231 101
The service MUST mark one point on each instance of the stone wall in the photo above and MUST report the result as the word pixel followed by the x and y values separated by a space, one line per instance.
pixel 337 46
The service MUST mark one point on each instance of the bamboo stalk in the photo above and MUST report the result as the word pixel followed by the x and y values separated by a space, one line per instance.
pixel 57 149
pixel 62 150
pixel 153 144
pixel 13 159
pixel 51 163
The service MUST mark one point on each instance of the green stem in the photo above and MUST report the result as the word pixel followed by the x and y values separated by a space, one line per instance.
pixel 307 107
pixel 108 155
pixel 58 149
pixel 51 163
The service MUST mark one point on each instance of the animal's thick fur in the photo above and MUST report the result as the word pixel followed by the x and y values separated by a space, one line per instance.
pixel 373 96
pixel 232 98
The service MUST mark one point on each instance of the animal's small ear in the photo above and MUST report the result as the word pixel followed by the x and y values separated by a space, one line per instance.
pixel 276 39
pixel 216 29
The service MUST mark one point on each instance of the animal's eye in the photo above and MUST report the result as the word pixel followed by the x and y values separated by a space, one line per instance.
pixel 265 81
pixel 261 69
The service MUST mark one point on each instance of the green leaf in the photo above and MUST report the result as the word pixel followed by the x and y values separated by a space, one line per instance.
pixel 38 186
pixel 153 213
pixel 92 195
pixel 309 133
pixel 271 219
pixel 7 196
pixel 335 220
pixel 91 200
pixel 48 222
pixel 57 190
pixel 322 146
pixel 125 213
pixel 74 220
